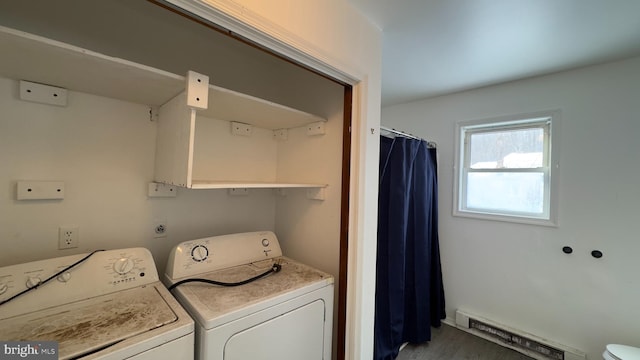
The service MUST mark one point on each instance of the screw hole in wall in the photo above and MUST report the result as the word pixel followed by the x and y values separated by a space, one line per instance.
pixel 596 254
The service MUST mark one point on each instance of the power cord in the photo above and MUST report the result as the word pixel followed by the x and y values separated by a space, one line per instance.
pixel 274 269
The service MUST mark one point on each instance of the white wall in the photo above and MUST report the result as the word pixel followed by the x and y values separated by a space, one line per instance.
pixel 103 150
pixel 517 274
pixel 313 235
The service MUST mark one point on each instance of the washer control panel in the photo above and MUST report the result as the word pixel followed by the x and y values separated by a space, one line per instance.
pixel 101 273
pixel 201 256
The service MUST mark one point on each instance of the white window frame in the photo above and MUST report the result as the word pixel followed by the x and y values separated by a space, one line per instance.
pixel 550 121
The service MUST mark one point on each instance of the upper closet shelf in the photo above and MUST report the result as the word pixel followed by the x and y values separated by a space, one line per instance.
pixel 229 105
pixel 251 185
pixel 38 59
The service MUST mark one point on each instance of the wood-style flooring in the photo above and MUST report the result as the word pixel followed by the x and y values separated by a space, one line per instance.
pixel 450 343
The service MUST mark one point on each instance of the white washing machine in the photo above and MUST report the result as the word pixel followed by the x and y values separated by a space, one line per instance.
pixel 285 314
pixel 103 305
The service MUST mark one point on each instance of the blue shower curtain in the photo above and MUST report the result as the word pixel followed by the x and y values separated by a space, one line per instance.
pixel 409 292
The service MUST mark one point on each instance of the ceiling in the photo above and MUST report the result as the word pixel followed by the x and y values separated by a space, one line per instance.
pixel 436 47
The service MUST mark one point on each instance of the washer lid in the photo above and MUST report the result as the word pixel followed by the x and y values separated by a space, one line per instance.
pixel 93 324
pixel 624 352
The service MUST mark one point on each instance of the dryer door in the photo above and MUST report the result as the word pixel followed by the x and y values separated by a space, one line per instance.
pixel 294 335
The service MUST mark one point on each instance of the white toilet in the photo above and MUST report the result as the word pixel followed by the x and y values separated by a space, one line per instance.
pixel 621 352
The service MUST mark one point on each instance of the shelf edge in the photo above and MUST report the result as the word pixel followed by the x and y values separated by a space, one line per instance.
pixel 254 185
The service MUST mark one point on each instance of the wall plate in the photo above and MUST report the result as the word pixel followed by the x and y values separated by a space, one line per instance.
pixel 43 94
pixel 161 190
pixel 316 128
pixel 241 129
pixel 281 134
pixel 238 191
pixel 197 90
pixel 316 194
pixel 40 190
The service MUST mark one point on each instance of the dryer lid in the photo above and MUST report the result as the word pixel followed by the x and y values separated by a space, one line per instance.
pixel 624 352
pixel 212 305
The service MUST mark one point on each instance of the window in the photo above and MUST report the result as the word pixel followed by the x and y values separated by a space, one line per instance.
pixel 504 169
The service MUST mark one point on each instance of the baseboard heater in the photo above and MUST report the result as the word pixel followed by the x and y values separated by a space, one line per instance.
pixel 528 344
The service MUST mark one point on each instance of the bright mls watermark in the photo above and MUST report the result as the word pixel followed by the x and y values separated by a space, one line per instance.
pixel 32 350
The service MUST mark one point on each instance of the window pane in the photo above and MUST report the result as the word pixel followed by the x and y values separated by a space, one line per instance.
pixel 514 149
pixel 510 192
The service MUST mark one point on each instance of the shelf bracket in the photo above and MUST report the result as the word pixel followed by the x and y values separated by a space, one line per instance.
pixel 316 128
pixel 197 90
pixel 160 190
pixel 154 114
pixel 281 134
pixel 40 190
pixel 316 194
pixel 238 191
pixel 43 94
pixel 241 129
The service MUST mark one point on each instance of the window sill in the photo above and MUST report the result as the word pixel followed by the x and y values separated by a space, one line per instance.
pixel 506 218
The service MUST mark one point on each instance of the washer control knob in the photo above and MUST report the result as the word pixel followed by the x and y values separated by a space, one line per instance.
pixel 199 253
pixel 265 242
pixel 3 288
pixel 123 265
pixel 64 277
pixel 33 281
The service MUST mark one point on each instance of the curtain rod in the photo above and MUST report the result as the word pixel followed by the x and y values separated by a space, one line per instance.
pixel 430 144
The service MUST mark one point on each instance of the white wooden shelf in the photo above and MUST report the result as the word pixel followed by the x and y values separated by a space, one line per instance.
pixel 34 58
pixel 197 152
pixel 229 105
pixel 250 185
pixel 37 59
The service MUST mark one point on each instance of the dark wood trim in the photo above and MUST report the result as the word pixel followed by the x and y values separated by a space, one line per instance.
pixel 344 223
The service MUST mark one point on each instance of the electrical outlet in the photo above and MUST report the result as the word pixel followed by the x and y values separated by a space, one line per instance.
pixel 160 229
pixel 68 237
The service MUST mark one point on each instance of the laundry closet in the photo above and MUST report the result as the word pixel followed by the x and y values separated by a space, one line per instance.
pixel 114 99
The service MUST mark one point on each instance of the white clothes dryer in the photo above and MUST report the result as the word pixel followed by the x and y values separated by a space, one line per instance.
pixel 104 305
pixel 285 314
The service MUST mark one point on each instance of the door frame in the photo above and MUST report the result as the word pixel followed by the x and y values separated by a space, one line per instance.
pixel 355 304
